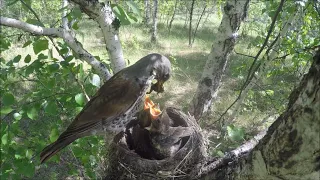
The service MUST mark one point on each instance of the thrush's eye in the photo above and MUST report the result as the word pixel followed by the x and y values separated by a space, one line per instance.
pixel 166 77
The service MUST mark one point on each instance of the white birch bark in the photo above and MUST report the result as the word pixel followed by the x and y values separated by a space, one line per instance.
pixel 155 21
pixel 234 12
pixel 102 13
pixel 266 59
pixel 66 35
pixel 291 147
pixel 64 14
pixel 147 12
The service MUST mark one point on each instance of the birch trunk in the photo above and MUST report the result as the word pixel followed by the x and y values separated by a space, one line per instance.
pixel 190 23
pixel 267 58
pixel 195 31
pixel 102 13
pixel 291 147
pixel 147 12
pixel 234 12
pixel 155 21
pixel 173 15
pixel 64 15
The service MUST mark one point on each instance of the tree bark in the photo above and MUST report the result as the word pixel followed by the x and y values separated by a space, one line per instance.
pixel 195 31
pixel 291 147
pixel 64 14
pixel 190 23
pixel 234 12
pixel 102 13
pixel 173 15
pixel 147 12
pixel 155 21
pixel 66 35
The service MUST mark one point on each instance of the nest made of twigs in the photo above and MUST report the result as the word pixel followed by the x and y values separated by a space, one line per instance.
pixel 125 163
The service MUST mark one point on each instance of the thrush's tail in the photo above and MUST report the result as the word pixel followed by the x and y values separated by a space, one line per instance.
pixel 55 147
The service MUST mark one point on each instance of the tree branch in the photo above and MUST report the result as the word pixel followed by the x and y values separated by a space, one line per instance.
pixel 72 42
pixel 109 24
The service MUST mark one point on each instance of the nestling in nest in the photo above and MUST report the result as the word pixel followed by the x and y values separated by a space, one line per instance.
pixel 154 137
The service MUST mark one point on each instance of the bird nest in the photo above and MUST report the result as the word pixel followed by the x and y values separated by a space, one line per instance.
pixel 126 162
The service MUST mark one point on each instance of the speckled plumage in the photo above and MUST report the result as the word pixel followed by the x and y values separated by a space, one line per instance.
pixel 115 103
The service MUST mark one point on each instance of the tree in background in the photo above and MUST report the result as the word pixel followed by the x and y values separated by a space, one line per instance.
pixel 40 92
pixel 155 21
pixel 234 13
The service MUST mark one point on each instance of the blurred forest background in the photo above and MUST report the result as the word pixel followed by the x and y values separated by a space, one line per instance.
pixel 41 92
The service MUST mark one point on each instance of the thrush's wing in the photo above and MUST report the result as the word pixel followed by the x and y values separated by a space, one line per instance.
pixel 115 97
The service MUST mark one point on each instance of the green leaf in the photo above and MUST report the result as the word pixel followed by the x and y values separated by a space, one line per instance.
pixel 29 153
pixel 64 51
pixel 8 99
pixel 76 13
pixel 78 109
pixel 27 59
pixel 17 116
pixel 5 110
pixel 42 56
pixel 235 134
pixel 134 7
pixel 51 83
pixel 220 154
pixel 54 134
pixel 53 67
pixel 34 22
pixel 81 72
pixel 16 59
pixel 75 26
pixel 40 45
pixel 27 44
pixel 69 58
pixel 121 14
pixel 95 80
pixel 29 70
pixel 32 113
pixel 51 108
pixel 4 139
pixel 80 99
pixel 270 92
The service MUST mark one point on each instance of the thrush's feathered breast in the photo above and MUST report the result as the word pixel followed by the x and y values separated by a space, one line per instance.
pixel 113 106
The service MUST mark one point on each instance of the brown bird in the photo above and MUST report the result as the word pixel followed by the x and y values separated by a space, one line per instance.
pixel 166 140
pixel 115 103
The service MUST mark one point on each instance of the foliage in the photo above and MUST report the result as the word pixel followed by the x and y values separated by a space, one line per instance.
pixel 41 88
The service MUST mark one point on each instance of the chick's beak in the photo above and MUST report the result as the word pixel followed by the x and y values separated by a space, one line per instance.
pixel 155 113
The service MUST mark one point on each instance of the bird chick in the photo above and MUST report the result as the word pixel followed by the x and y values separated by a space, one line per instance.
pixel 148 113
pixel 166 140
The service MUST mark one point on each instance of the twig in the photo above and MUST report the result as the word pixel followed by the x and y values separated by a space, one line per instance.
pixel 252 68
pixel 57 49
pixel 134 176
pixel 266 39
pixel 243 54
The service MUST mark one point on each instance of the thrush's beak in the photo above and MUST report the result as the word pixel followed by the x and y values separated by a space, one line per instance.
pixel 160 88
pixel 157 87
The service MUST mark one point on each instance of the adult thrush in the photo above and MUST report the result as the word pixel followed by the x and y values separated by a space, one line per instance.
pixel 116 102
pixel 166 140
